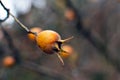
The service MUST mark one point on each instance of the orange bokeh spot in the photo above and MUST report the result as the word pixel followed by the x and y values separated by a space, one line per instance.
pixel 36 30
pixel 68 49
pixel 8 61
pixel 69 14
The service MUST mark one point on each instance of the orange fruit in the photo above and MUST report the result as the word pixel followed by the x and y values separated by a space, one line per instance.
pixel 69 14
pixel 50 42
pixel 8 61
pixel 47 40
pixel 31 36
pixel 68 49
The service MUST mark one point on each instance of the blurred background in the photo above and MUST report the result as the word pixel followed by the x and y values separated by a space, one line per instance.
pixel 95 47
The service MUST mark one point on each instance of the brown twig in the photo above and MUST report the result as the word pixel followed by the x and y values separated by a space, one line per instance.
pixel 7 11
pixel 23 26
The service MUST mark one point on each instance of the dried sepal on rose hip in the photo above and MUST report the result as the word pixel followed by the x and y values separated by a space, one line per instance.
pixel 50 42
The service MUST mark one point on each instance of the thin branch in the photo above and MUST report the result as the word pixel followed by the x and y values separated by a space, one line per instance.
pixel 23 26
pixel 7 11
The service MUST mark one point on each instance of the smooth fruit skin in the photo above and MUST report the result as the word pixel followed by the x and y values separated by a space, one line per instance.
pixel 46 40
pixel 68 49
pixel 8 61
pixel 32 36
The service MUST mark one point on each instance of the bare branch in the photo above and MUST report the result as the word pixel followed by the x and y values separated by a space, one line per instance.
pixel 23 26
pixel 7 11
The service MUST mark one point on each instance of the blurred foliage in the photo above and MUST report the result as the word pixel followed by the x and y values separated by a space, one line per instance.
pixel 100 17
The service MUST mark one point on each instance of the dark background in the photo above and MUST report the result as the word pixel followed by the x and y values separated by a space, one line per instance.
pixel 96 42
